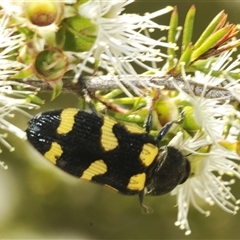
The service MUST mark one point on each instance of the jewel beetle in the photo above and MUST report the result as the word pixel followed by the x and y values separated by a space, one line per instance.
pixel 97 148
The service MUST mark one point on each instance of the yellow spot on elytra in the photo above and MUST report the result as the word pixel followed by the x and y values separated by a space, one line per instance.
pixel 148 154
pixel 96 168
pixel 67 120
pixel 53 153
pixel 134 129
pixel 108 138
pixel 137 182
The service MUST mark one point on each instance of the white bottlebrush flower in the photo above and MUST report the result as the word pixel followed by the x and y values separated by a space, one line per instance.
pixel 38 16
pixel 213 167
pixel 206 185
pixel 13 100
pixel 121 39
pixel 41 17
pixel 209 113
pixel 10 98
pixel 228 68
pixel 228 64
pixel 9 42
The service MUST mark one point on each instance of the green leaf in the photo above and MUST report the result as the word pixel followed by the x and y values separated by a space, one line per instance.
pixel 114 93
pixel 172 37
pixel 137 117
pixel 35 99
pixel 188 27
pixel 210 42
pixel 57 89
pixel 80 34
pixel 214 73
pixel 185 58
pixel 60 37
pixel 210 29
pixel 24 73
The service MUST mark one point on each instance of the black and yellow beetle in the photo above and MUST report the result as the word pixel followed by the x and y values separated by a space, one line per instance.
pixel 99 149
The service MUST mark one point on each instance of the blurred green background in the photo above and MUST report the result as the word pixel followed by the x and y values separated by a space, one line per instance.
pixel 39 201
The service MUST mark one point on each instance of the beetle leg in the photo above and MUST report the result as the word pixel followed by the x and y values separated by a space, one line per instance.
pixel 167 127
pixel 86 95
pixel 144 207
